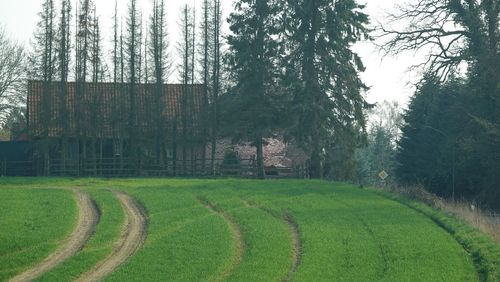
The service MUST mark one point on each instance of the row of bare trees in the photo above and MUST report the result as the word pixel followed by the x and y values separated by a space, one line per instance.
pixel 140 54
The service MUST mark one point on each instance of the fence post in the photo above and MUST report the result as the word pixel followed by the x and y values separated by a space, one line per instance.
pixel 4 167
pixel 48 166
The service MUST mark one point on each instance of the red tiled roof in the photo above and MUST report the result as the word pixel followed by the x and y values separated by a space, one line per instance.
pixel 103 111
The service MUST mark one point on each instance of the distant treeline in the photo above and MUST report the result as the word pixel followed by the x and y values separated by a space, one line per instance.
pixel 287 69
pixel 450 139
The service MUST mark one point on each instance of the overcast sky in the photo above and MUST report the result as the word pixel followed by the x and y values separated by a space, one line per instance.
pixel 388 77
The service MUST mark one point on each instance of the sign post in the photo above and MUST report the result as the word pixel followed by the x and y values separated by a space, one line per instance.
pixel 383 176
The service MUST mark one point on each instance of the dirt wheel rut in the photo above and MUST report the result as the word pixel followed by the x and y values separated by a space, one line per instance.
pixel 131 239
pixel 293 229
pixel 236 233
pixel 87 221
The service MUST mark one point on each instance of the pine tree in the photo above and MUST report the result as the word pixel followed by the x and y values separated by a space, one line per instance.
pixel 190 100
pixel 145 58
pixel 133 53
pixel 161 64
pixel 43 67
pixel 159 43
pixel 140 62
pixel 42 58
pixel 64 42
pixel 116 104
pixel 254 60
pixel 216 74
pixel 83 73
pixel 96 101
pixel 122 128
pixel 116 45
pixel 453 33
pixel 64 53
pixel 322 72
pixel 436 149
pixel 205 49
pixel 84 41
pixel 185 49
pixel 122 56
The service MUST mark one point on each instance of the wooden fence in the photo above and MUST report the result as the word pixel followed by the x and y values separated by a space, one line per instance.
pixel 17 168
pixel 120 167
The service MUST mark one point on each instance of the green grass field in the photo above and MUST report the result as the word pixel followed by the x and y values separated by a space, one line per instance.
pixel 33 222
pixel 243 230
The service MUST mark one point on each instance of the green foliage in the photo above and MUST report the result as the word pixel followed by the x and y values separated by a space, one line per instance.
pixel 295 70
pixel 254 55
pixel 42 56
pixel 14 125
pixel 339 161
pixel 253 110
pixel 378 151
pixel 449 139
pixel 321 72
pixel 159 44
pixel 133 41
pixel 379 154
pixel 446 147
pixel 231 158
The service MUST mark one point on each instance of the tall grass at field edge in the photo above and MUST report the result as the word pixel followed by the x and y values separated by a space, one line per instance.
pixel 484 251
pixel 470 213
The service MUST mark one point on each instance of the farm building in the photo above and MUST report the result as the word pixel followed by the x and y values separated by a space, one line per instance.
pixel 108 129
pixel 90 123
pixel 277 153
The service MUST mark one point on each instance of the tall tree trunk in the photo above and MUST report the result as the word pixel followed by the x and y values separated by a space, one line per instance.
pixel 316 167
pixel 216 72
pixel 115 101
pixel 260 157
pixel 191 96
pixel 174 148
pixel 64 50
pixel 205 113
pixel 133 45
pixel 186 72
pixel 82 106
pixel 48 77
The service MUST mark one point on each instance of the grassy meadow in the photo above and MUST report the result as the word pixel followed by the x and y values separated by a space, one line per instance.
pixel 244 230
pixel 33 222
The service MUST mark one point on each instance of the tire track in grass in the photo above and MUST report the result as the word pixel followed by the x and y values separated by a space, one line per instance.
pixel 235 233
pixel 378 242
pixel 131 239
pixel 88 218
pixel 293 228
pixel 481 265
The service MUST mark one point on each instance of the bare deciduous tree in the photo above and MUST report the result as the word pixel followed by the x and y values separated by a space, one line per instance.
pixel 161 68
pixel 133 43
pixel 12 75
pixel 452 31
pixel 216 68
pixel 185 49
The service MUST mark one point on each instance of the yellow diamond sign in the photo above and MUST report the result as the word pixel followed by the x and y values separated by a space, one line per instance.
pixel 383 175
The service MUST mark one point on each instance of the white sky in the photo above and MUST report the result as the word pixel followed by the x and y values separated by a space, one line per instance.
pixel 388 77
